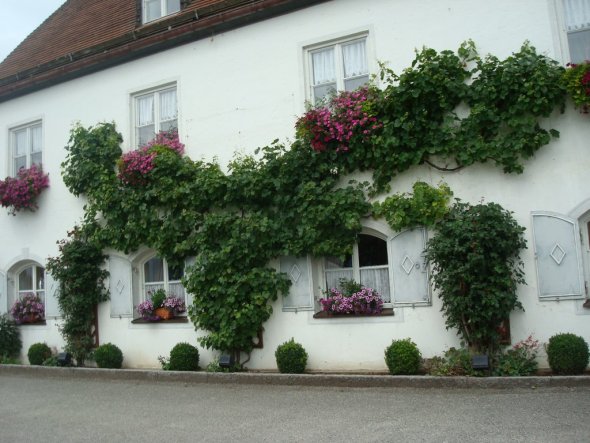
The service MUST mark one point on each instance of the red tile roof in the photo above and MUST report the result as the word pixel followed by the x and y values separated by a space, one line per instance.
pixel 83 36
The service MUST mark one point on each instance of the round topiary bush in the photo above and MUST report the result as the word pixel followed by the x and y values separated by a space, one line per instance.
pixel 10 342
pixel 184 357
pixel 567 354
pixel 108 356
pixel 403 357
pixel 38 353
pixel 291 358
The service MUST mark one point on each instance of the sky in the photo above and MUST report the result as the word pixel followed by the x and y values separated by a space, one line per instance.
pixel 21 17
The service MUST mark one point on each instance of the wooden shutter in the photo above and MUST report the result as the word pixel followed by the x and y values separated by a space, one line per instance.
pixel 409 268
pixel 3 293
pixel 51 294
pixel 120 286
pixel 558 256
pixel 298 270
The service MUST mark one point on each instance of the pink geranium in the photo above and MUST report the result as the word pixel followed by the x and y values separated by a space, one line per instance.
pixel 21 192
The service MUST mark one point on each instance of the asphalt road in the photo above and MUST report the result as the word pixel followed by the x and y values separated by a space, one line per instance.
pixel 72 410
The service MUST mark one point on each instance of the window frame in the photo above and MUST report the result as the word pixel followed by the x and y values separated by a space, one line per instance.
pixel 28 128
pixel 337 42
pixel 163 11
pixel 155 92
pixel 559 12
pixel 165 283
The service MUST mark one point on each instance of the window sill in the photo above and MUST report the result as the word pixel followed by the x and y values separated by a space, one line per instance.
pixel 141 321
pixel 37 323
pixel 386 312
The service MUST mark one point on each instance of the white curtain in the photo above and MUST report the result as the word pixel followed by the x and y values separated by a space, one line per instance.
pixel 354 57
pixel 577 14
pixel 324 68
pixel 36 139
pixel 154 270
pixel 145 110
pixel 20 142
pixel 168 107
pixel 377 279
pixel 333 277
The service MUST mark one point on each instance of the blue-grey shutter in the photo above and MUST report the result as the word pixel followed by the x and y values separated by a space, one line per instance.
pixel 120 286
pixel 557 256
pixel 3 293
pixel 51 293
pixel 298 270
pixel 409 268
pixel 188 263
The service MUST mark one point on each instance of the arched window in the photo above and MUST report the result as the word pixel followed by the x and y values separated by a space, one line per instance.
pixel 368 264
pixel 31 279
pixel 158 274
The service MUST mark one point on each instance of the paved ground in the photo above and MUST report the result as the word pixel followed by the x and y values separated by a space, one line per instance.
pixel 49 409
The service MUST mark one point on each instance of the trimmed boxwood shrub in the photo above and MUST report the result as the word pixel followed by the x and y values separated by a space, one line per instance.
pixel 184 357
pixel 38 353
pixel 567 354
pixel 10 342
pixel 403 357
pixel 291 357
pixel 108 356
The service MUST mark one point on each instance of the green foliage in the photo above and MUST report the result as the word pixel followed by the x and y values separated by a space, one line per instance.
pixel 184 357
pixel 475 258
pixel 5 360
pixel 567 354
pixel 51 361
pixel 81 288
pixel 403 357
pixel 576 80
pixel 348 287
pixel 424 207
pixel 454 362
pixel 10 342
pixel 108 356
pixel 214 367
pixel 291 357
pixel 158 298
pixel 38 353
pixel 520 360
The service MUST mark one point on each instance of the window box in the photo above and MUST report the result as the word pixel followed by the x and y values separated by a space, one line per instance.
pixel 172 320
pixel 386 312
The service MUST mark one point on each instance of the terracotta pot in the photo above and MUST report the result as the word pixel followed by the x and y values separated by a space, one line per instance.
pixel 164 313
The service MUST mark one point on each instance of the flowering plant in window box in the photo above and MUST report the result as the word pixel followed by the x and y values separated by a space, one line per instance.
pixel 135 166
pixel 21 192
pixel 576 79
pixel 28 309
pixel 365 301
pixel 160 307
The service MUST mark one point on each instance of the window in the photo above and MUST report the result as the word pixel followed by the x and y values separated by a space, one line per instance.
pixel 339 66
pixel 155 111
pixel 155 9
pixel 158 274
pixel 31 280
pixel 368 264
pixel 27 146
pixel 577 25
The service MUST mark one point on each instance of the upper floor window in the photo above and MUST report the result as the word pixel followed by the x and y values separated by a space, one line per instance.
pixel 155 111
pixel 577 24
pixel 337 66
pixel 26 146
pixel 155 9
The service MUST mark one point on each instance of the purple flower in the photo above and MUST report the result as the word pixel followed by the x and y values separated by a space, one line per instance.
pixel 27 308
pixel 21 192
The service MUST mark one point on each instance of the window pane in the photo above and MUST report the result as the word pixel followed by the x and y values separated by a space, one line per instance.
pixel 372 251
pixel 36 139
pixel 25 279
pixel 333 277
pixel 41 295
pixel 354 83
pixel 177 290
pixel 37 158
pixel 168 108
pixel 154 270
pixel 152 10
pixel 579 43
pixel 338 262
pixel 323 65
pixel 145 110
pixel 20 142
pixel 169 125
pixel 577 14
pixel 145 134
pixel 354 58
pixel 40 277
pixel 377 279
pixel 20 162
pixel 172 6
pixel 319 92
pixel 175 273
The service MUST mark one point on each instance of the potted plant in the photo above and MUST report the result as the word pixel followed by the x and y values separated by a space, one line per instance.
pixel 28 309
pixel 161 306
pixel 353 298
pixel 20 192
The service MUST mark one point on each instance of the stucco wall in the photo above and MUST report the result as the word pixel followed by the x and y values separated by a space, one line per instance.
pixel 243 89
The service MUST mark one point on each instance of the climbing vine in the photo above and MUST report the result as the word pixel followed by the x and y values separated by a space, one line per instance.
pixel 293 200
